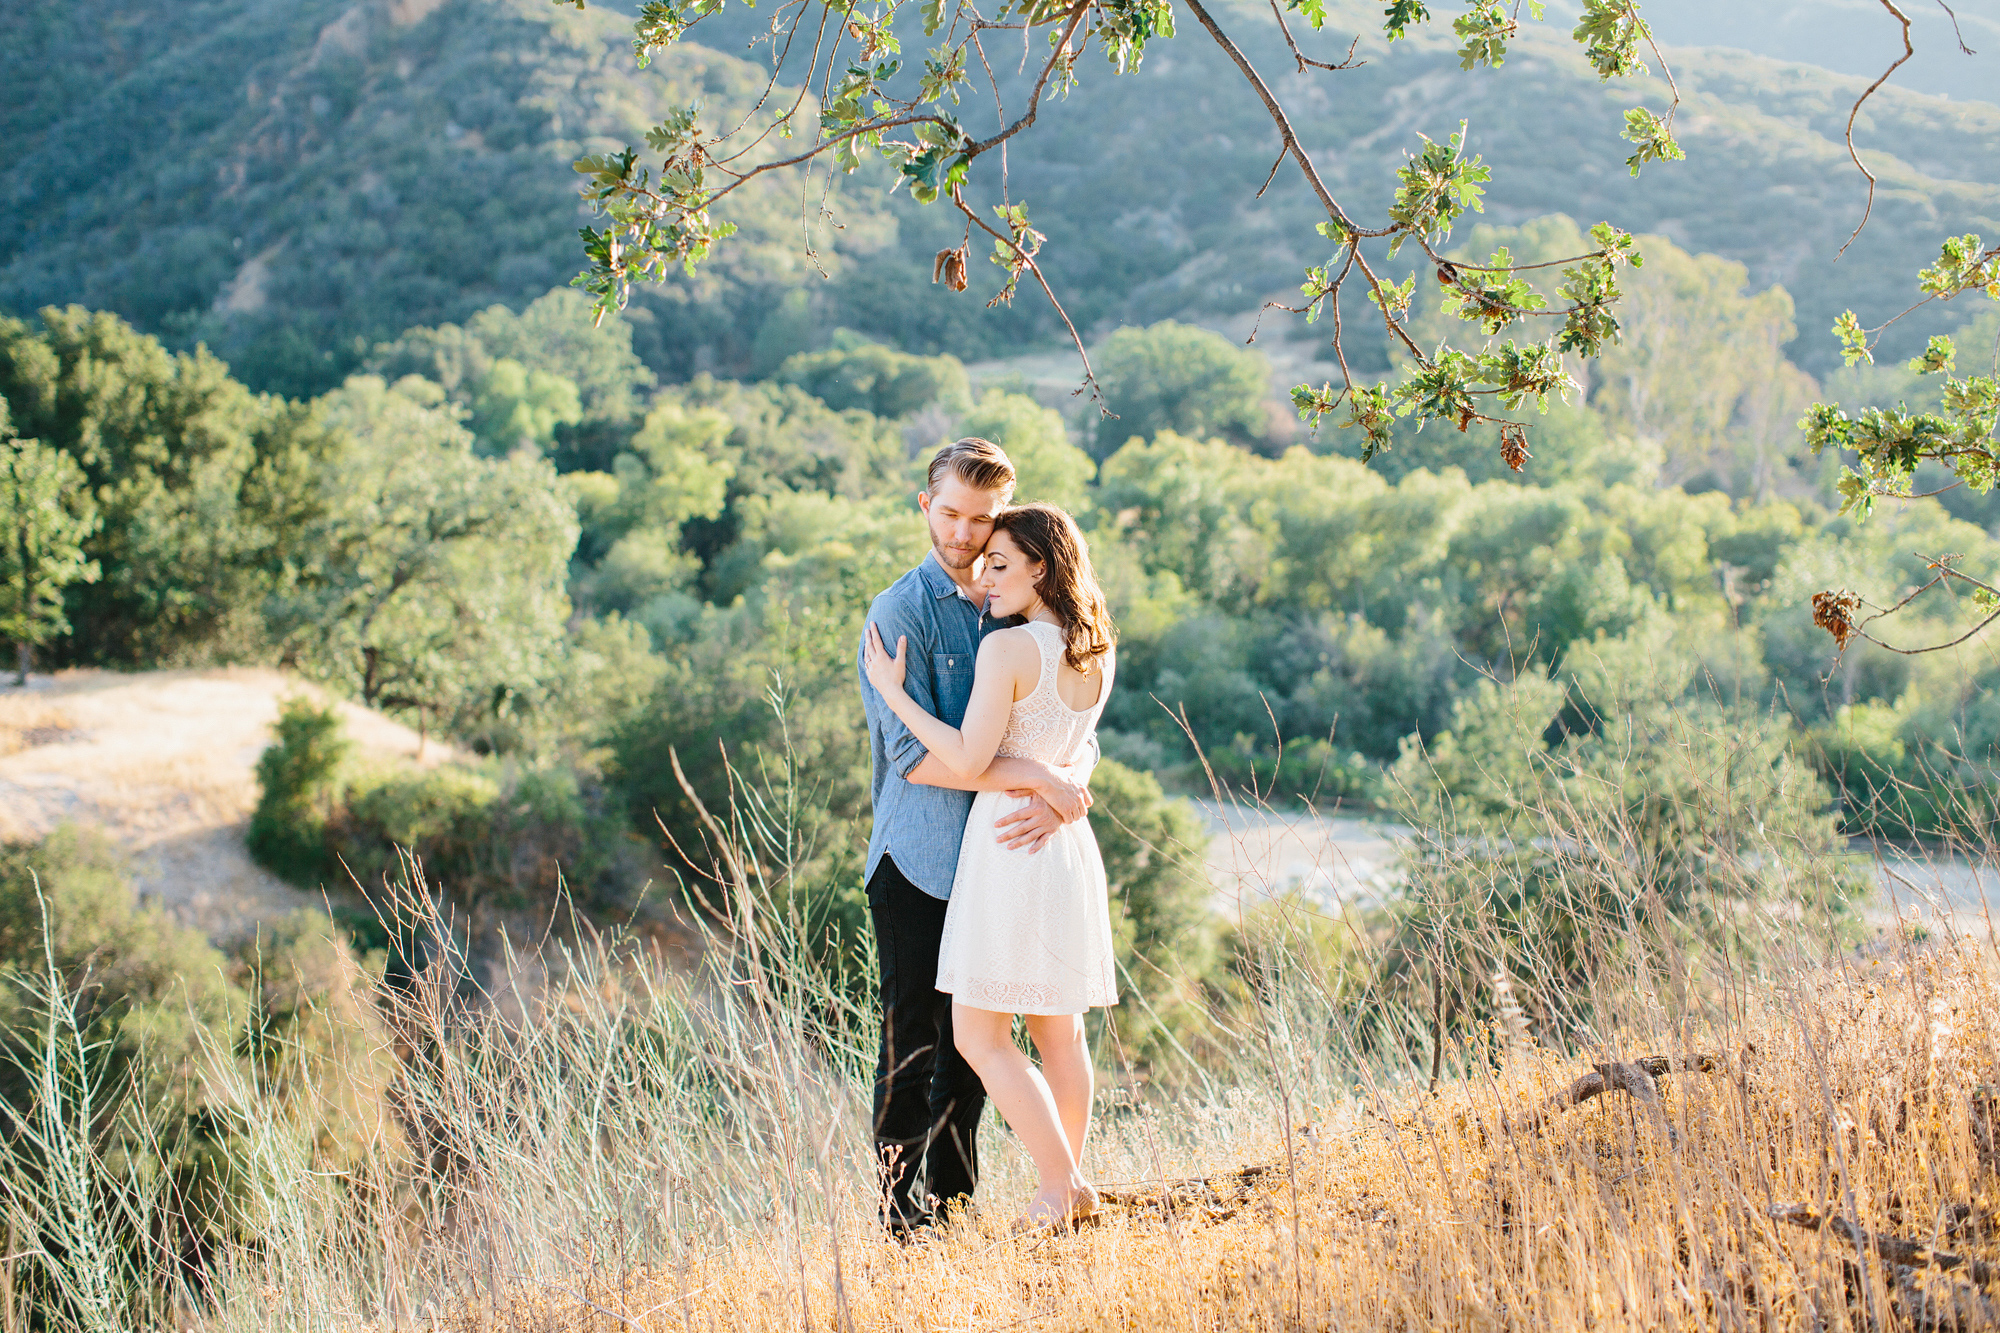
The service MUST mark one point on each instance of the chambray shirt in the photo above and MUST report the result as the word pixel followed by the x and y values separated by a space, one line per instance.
pixel 920 826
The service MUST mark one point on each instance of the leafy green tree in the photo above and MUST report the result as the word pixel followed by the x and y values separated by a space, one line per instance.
pixel 434 581
pixel 1962 437
pixel 675 470
pixel 1700 369
pixel 1183 502
pixel 1047 467
pixel 200 484
pixel 1175 377
pixel 856 373
pixel 550 376
pixel 45 517
pixel 515 408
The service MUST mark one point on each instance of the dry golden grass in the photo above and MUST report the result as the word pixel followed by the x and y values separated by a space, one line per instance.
pixel 1852 1088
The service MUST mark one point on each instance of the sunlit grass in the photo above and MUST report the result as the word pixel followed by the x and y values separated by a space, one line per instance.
pixel 591 1137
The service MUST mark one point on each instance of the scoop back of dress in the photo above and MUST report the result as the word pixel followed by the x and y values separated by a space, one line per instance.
pixel 1030 932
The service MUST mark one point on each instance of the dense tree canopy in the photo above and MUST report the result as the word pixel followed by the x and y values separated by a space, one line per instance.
pixel 200 483
pixel 433 580
pixel 45 515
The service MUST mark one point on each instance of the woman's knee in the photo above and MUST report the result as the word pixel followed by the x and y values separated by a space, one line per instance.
pixel 977 1033
pixel 1056 1032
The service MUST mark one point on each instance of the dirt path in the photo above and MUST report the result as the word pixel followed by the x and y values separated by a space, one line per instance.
pixel 164 762
pixel 1256 854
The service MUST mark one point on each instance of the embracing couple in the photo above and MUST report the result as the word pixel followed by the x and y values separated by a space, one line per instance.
pixel 983 671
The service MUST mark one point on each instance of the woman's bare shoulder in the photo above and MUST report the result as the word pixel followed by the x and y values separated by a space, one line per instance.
pixel 1013 642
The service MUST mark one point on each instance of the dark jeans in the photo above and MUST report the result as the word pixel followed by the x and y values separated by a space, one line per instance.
pixel 927 1099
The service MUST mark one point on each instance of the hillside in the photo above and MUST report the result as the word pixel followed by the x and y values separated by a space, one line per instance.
pixel 164 762
pixel 1146 185
pixel 281 180
pixel 289 182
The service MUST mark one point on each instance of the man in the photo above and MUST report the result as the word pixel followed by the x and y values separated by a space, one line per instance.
pixel 927 1099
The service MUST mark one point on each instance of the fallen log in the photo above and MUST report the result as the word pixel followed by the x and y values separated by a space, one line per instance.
pixel 1638 1078
pixel 1892 1249
pixel 1205 1192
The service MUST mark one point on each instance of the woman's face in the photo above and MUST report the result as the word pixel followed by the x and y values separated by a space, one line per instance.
pixel 1008 580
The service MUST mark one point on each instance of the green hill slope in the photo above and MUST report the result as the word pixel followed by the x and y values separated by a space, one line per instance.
pixel 282 179
pixel 289 182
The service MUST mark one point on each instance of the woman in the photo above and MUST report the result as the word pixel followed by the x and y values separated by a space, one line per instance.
pixel 1027 932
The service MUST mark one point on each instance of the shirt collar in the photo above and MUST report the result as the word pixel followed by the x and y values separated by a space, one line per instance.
pixel 941 583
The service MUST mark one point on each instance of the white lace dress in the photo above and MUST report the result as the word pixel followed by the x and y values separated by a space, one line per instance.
pixel 1030 933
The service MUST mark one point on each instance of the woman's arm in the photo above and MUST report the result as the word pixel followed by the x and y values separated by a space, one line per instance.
pixel 1065 790
pixel 966 751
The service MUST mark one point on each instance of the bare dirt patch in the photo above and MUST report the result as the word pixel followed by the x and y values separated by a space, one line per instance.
pixel 165 763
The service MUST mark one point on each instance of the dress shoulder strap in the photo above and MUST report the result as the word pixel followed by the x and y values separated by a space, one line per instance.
pixel 1050 640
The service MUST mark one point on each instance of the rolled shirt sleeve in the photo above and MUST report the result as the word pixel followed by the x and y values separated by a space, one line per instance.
pixel 891 616
pixel 921 826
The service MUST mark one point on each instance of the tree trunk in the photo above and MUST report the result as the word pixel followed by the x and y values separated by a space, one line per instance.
pixel 31 602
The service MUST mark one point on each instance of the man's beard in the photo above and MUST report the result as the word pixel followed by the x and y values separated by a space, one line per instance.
pixel 954 559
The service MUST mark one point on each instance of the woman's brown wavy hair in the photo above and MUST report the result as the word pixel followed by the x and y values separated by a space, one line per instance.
pixel 1050 538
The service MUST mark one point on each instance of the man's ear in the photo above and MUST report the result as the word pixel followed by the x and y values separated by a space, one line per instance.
pixel 924 502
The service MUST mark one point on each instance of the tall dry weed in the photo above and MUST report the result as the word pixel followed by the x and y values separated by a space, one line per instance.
pixel 1464 1135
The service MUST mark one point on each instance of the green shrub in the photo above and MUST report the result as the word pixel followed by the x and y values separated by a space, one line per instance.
pixel 297 782
pixel 129 1046
pixel 1154 850
pixel 491 831
pixel 1311 772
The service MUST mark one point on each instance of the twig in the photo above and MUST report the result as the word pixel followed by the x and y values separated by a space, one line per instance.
pixel 1027 117
pixel 1957 36
pixel 1271 104
pixel 1306 61
pixel 1908 51
pixel 1089 375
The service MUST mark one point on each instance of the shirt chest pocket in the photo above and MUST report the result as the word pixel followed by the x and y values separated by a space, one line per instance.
pixel 952 675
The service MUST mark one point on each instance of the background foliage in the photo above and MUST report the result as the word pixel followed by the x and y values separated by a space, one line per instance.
pixel 306 362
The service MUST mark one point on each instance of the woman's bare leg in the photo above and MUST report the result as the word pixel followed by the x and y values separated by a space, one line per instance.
pixel 1059 1039
pixel 986 1041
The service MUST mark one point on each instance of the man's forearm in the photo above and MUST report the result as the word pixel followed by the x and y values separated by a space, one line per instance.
pixel 1005 773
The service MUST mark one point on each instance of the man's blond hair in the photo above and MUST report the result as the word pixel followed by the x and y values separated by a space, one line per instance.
pixel 980 464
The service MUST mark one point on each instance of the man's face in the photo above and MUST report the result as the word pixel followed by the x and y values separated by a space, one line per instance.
pixel 961 520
